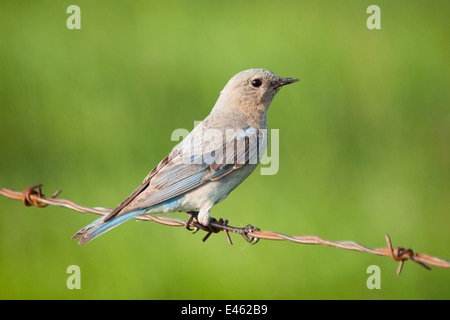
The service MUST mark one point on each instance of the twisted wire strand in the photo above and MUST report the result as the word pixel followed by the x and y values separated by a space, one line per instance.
pixel 33 196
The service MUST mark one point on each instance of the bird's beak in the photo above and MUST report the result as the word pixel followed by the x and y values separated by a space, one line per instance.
pixel 284 81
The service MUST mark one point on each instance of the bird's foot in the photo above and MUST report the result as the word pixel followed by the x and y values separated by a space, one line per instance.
pixel 215 226
pixel 192 215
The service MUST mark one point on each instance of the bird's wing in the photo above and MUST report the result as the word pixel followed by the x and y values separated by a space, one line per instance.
pixel 193 163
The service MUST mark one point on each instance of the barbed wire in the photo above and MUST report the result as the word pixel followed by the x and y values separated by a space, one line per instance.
pixel 33 196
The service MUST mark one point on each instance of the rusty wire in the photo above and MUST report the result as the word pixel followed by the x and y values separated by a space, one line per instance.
pixel 33 196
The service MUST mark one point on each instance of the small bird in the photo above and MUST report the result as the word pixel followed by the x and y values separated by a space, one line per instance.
pixel 210 162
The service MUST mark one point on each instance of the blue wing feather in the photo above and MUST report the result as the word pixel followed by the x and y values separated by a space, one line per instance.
pixel 170 179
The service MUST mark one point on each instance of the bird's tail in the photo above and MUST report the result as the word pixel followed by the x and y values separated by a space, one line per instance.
pixel 98 227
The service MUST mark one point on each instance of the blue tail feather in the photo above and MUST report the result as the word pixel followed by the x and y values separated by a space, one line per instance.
pixel 98 227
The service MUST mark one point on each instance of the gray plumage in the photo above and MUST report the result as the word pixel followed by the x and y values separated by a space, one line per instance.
pixel 211 161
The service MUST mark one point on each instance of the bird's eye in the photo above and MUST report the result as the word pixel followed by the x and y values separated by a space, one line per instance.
pixel 256 83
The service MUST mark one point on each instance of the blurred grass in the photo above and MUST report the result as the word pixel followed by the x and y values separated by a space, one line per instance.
pixel 364 145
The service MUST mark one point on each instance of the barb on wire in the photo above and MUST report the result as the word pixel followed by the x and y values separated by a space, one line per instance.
pixel 33 196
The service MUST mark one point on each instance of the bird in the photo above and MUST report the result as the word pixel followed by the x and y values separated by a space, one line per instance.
pixel 210 162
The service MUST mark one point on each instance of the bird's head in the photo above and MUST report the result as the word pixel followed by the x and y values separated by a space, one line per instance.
pixel 252 90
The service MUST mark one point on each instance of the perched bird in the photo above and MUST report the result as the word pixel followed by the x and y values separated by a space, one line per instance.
pixel 216 156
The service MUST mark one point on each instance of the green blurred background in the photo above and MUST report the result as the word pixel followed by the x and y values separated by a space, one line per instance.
pixel 364 145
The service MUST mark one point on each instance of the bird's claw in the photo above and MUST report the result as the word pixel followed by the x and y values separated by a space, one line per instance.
pixel 216 226
pixel 187 224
